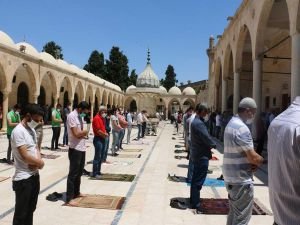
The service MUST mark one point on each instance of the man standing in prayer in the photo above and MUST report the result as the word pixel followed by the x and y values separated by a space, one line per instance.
pixel 283 165
pixel 201 146
pixel 239 163
pixel 99 124
pixel 77 137
pixel 129 125
pixel 123 123
pixel 28 162
pixel 56 121
pixel 13 119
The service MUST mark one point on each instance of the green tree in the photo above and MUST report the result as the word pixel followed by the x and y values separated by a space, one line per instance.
pixel 132 78
pixel 53 49
pixel 170 79
pixel 162 82
pixel 117 68
pixel 96 64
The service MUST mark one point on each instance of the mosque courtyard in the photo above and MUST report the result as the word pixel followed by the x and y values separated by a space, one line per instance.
pixel 147 196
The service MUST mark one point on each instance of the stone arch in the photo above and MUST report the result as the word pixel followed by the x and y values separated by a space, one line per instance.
pixel 65 94
pixel 218 84
pixel 3 81
pixel 23 94
pixel 273 48
pixel 42 96
pixel 97 99
pixel 23 73
pixel 89 95
pixel 109 100
pixel 131 104
pixel 115 100
pixel 48 82
pixel 79 90
pixel 188 102
pixel 173 106
pixel 228 74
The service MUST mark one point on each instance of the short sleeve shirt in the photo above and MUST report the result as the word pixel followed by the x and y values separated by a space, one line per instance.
pixel 14 118
pixel 22 136
pixel 73 121
pixel 237 140
pixel 114 118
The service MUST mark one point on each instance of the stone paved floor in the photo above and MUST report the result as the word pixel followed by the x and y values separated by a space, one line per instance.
pixel 147 196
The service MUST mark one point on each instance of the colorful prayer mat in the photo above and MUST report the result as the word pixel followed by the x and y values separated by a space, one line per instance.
pixel 49 156
pixel 115 177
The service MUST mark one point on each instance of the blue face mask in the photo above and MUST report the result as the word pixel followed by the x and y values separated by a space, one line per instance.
pixel 82 115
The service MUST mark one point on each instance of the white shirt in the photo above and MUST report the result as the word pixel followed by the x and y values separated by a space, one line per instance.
pixel 23 136
pixel 139 118
pixel 191 119
pixel 284 165
pixel 73 121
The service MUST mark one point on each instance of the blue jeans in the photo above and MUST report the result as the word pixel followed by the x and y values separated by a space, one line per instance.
pixel 139 131
pixel 99 154
pixel 65 138
pixel 198 177
pixel 121 136
pixel 115 142
pixel 106 145
pixel 240 203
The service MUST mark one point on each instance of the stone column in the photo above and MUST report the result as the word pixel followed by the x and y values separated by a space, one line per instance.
pixel 5 109
pixel 257 83
pixel 35 98
pixel 167 112
pixel 295 75
pixel 236 92
pixel 224 95
pixel 92 110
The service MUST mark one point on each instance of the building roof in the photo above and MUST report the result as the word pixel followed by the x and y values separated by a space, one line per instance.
pixel 174 91
pixel 189 91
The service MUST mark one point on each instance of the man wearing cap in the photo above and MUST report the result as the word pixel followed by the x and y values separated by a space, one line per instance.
pixel 100 134
pixel 239 163
pixel 283 165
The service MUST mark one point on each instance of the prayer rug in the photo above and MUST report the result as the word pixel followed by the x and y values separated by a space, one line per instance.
pixel 115 177
pixel 129 156
pixel 3 178
pixel 213 182
pixel 49 156
pixel 221 207
pixel 100 202
pixel 132 150
pixel 60 150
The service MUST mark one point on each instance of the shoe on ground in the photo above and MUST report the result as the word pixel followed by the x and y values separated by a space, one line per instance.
pixel 10 162
pixel 115 154
pixel 97 177
pixel 175 203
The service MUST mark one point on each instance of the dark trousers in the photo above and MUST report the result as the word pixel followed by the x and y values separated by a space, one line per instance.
pixel 143 129
pixel 77 160
pixel 106 145
pixel 27 192
pixel 121 137
pixel 198 177
pixel 8 156
pixel 55 137
pixel 99 144
pixel 65 138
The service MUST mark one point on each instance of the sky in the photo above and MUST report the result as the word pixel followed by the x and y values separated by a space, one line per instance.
pixel 176 32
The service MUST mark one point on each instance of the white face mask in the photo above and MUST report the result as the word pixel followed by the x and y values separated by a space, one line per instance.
pixel 17 113
pixel 32 124
pixel 103 115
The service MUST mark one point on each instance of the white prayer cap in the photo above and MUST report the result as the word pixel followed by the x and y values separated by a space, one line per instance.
pixel 248 103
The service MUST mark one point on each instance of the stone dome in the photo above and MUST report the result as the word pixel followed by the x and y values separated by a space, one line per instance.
pixel 189 91
pixel 130 88
pixel 47 57
pixel 163 89
pixel 6 39
pixel 174 91
pixel 148 78
pixel 29 49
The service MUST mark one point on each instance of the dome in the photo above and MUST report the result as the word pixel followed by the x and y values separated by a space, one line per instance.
pixel 130 88
pixel 29 49
pixel 189 91
pixel 148 78
pixel 174 91
pixel 163 89
pixel 5 39
pixel 47 57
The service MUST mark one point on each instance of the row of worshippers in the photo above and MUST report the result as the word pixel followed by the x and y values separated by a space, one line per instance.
pixel 28 158
pixel 241 161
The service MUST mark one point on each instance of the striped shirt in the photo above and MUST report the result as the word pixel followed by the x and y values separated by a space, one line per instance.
pixel 284 165
pixel 237 140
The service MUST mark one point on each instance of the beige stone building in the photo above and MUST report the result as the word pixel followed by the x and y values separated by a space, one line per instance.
pixel 149 95
pixel 27 75
pixel 258 55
